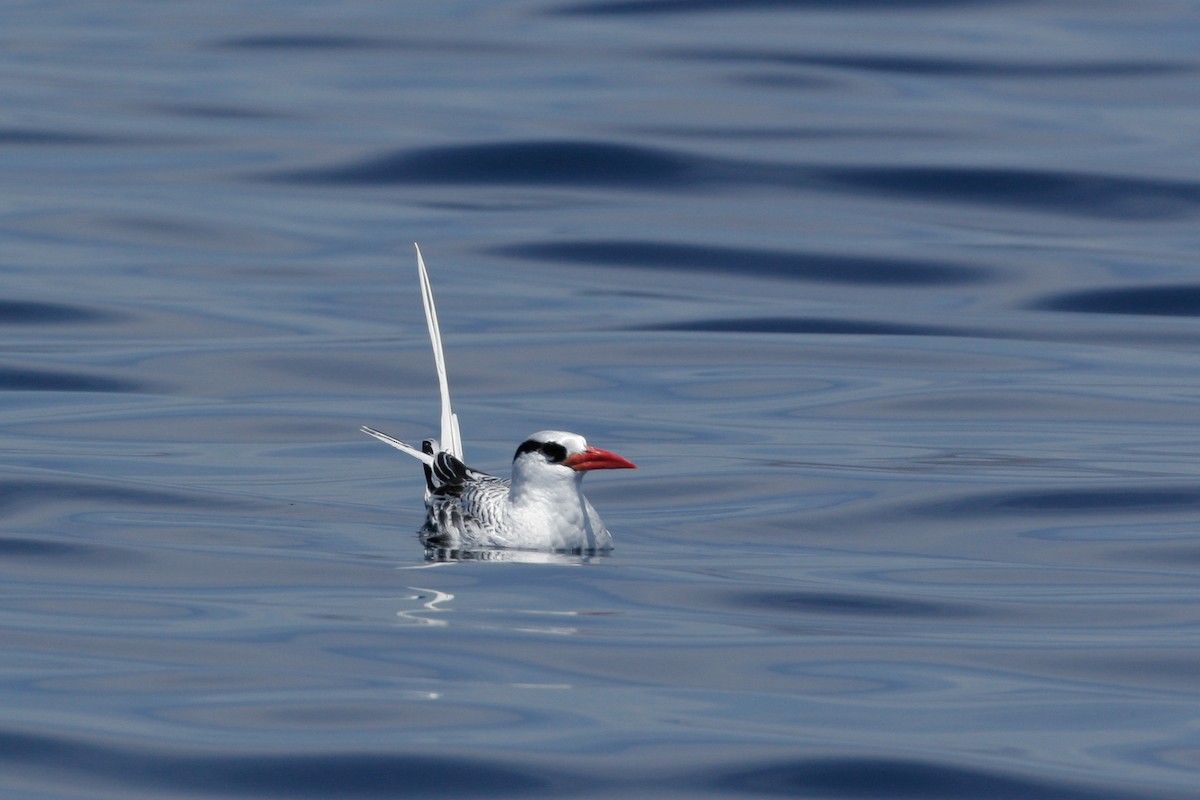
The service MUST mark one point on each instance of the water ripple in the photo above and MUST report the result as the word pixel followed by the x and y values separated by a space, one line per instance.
pixel 33 312
pixel 304 41
pixel 896 778
pixel 19 379
pixel 1111 499
pixel 805 325
pixel 1080 193
pixel 42 137
pixel 353 774
pixel 1181 300
pixel 818 604
pixel 599 164
pixel 822 267
pixel 65 492
pixel 947 67
pixel 529 163
pixel 13 548
pixel 631 7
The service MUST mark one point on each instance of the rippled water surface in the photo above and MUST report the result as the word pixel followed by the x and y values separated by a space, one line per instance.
pixel 894 304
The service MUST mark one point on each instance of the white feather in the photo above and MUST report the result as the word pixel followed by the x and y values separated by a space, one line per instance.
pixel 404 447
pixel 451 439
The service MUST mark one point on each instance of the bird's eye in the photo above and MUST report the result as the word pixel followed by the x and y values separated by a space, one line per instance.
pixel 554 452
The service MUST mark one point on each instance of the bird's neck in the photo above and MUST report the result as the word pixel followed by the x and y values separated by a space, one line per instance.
pixel 528 491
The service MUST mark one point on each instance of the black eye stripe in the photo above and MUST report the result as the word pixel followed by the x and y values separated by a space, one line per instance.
pixel 528 446
pixel 554 452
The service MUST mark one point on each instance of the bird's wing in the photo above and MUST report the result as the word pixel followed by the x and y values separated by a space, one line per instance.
pixel 451 439
pixel 450 473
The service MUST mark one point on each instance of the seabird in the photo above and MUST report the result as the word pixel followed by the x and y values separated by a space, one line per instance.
pixel 541 507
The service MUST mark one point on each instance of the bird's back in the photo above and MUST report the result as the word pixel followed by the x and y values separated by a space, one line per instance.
pixel 470 510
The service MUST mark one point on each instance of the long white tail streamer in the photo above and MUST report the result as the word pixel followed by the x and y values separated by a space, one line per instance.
pixel 451 440
pixel 403 447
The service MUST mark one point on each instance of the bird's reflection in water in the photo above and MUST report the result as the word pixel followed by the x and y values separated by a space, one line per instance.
pixel 429 607
pixel 430 603
pixel 430 611
pixel 565 557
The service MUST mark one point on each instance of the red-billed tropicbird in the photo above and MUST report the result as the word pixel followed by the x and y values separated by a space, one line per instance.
pixel 541 507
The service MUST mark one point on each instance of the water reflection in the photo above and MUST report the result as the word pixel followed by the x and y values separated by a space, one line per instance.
pixel 565 557
pixel 430 600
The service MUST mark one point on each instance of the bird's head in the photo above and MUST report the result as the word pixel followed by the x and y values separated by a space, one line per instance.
pixel 562 455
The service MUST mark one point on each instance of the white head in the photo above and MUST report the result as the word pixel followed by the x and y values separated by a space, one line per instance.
pixel 560 456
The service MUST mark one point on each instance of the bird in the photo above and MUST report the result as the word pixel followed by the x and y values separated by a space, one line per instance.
pixel 541 507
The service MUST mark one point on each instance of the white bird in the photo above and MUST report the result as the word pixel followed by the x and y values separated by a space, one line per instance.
pixel 541 507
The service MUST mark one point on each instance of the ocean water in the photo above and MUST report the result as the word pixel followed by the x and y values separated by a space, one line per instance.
pixel 894 304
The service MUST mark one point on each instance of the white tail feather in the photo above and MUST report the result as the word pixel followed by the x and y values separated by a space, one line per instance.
pixel 451 439
pixel 404 447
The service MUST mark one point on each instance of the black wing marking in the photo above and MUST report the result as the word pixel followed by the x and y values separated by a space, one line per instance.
pixel 448 470
pixel 428 448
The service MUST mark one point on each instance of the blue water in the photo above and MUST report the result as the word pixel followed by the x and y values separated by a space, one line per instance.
pixel 895 305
